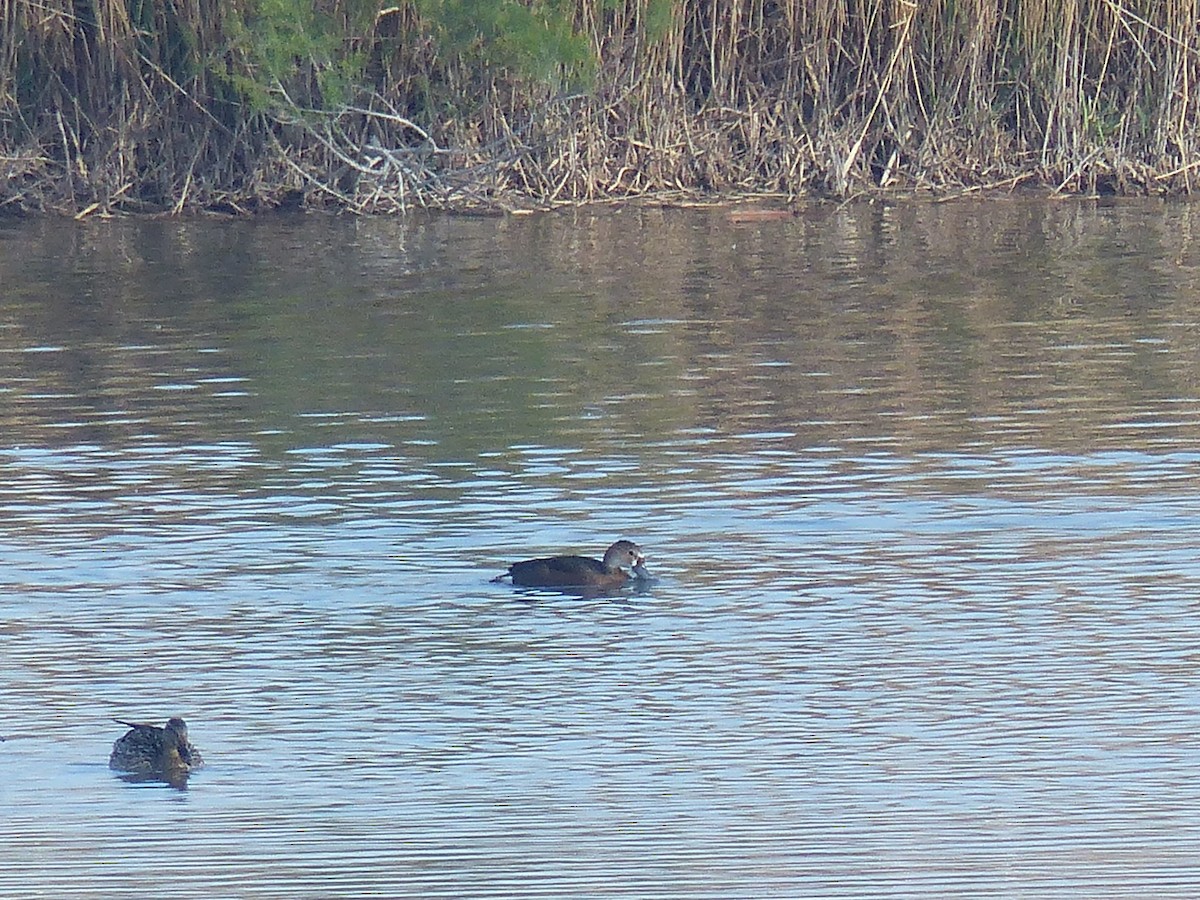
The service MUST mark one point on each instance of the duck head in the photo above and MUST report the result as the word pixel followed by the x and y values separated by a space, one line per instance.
pixel 624 555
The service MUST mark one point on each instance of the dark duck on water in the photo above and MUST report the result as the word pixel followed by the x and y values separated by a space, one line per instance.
pixel 150 750
pixel 581 571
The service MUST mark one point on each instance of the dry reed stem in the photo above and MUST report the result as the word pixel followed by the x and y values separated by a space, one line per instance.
pixel 795 97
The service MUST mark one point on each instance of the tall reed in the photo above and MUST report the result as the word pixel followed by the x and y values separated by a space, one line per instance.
pixel 157 105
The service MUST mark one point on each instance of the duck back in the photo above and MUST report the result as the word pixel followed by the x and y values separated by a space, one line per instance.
pixel 564 571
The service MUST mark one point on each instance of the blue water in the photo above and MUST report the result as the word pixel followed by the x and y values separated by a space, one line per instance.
pixel 916 484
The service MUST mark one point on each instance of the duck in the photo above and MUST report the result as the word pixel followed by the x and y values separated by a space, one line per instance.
pixel 581 571
pixel 150 750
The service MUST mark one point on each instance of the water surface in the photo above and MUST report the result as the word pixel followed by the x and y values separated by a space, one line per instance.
pixel 917 482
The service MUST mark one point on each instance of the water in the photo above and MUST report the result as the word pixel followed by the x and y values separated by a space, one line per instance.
pixel 916 482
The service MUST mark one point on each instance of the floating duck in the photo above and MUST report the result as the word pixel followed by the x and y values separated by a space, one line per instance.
pixel 581 571
pixel 150 750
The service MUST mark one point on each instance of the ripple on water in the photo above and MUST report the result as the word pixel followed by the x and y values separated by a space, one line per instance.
pixel 924 621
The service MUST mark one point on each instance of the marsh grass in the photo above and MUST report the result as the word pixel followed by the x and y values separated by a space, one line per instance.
pixel 136 105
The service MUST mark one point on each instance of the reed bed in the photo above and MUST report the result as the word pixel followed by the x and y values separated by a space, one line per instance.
pixel 242 105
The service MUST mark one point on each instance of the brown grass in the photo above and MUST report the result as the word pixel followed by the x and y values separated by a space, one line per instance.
pixel 125 105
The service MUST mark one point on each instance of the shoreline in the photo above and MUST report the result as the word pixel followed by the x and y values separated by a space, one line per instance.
pixel 743 206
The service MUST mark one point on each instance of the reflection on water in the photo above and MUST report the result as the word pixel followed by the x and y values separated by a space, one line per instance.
pixel 915 484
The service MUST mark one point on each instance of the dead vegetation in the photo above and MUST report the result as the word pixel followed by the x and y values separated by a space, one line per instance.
pixel 165 107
